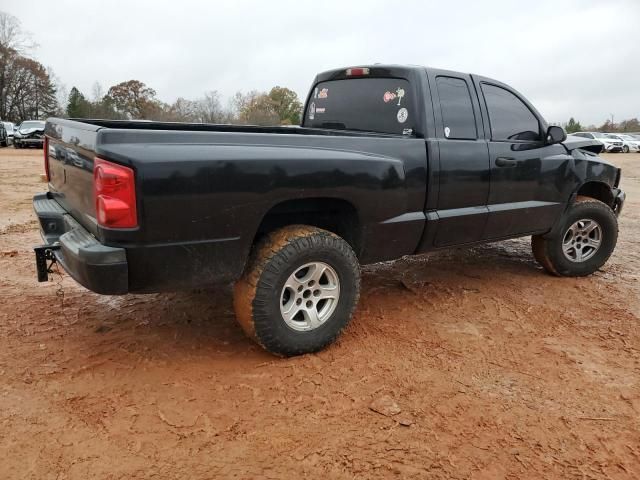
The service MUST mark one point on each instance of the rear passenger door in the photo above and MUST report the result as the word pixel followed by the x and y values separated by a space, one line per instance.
pixel 527 175
pixel 464 167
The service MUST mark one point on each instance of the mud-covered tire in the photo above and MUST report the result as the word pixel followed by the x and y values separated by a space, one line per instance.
pixel 548 249
pixel 259 294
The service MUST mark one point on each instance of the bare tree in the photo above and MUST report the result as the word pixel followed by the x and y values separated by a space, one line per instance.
pixel 12 36
pixel 211 109
pixel 97 92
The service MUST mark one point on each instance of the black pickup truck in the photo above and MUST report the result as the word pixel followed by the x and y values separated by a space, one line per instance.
pixel 389 161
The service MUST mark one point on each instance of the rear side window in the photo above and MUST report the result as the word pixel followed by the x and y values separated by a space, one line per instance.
pixel 381 105
pixel 458 119
pixel 509 117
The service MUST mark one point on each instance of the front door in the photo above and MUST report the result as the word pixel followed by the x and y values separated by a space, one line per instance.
pixel 526 173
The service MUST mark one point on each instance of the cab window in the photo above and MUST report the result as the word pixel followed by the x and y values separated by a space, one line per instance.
pixel 509 117
pixel 458 119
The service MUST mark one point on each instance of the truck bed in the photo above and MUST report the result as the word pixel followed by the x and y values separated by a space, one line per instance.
pixel 203 191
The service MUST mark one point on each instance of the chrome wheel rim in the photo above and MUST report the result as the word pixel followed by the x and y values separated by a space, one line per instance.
pixel 582 240
pixel 310 296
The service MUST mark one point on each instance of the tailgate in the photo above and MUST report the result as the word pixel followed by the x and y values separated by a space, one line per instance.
pixel 71 152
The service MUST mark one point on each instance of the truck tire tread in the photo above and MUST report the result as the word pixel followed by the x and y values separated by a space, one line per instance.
pixel 254 290
pixel 547 251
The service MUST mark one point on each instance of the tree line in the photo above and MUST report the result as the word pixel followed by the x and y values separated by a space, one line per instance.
pixel 134 100
pixel 631 125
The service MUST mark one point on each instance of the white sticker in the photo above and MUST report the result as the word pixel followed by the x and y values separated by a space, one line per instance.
pixel 403 114
pixel 447 131
pixel 324 93
pixel 315 93
pixel 400 95
pixel 320 110
pixel 312 111
pixel 407 131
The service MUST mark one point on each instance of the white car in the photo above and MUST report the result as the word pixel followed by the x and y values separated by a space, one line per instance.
pixel 629 142
pixel 609 144
pixel 9 127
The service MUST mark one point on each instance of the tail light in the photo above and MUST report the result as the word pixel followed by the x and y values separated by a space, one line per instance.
pixel 357 72
pixel 45 147
pixel 115 194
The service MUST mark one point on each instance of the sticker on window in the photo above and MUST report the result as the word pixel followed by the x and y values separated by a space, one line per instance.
pixel 320 110
pixel 324 93
pixel 400 95
pixel 312 111
pixel 403 114
pixel 447 132
pixel 388 96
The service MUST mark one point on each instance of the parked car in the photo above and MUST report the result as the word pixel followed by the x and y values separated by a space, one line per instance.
pixel 389 161
pixel 609 144
pixel 29 133
pixel 629 142
pixel 4 138
pixel 10 128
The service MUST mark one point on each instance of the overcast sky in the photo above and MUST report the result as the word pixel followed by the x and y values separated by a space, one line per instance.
pixel 579 58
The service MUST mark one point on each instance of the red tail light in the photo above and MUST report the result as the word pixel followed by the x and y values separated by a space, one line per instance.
pixel 45 147
pixel 357 72
pixel 115 193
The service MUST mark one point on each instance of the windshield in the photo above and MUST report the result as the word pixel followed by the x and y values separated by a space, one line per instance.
pixel 614 137
pixel 599 135
pixel 30 124
pixel 367 104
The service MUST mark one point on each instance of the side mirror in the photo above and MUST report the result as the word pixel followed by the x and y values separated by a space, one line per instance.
pixel 555 134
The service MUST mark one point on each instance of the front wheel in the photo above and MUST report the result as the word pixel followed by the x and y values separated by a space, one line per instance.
pixel 625 149
pixel 298 291
pixel 585 240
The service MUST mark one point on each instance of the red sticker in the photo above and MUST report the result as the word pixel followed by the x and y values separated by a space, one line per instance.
pixel 389 96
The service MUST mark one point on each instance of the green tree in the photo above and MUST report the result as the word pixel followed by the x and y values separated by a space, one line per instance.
pixel 78 106
pixel 286 105
pixel 573 126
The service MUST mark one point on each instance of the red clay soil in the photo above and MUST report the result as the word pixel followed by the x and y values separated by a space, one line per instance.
pixel 467 364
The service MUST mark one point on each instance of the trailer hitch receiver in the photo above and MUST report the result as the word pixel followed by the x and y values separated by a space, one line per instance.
pixel 44 254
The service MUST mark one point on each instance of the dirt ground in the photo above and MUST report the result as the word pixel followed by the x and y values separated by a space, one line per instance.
pixel 498 369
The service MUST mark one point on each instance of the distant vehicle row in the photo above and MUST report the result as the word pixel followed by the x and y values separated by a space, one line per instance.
pixel 614 142
pixel 29 133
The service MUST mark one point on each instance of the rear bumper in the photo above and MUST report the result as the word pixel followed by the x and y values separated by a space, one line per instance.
pixel 99 268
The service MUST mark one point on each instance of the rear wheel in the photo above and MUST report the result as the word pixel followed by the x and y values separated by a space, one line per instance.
pixel 625 149
pixel 586 239
pixel 298 291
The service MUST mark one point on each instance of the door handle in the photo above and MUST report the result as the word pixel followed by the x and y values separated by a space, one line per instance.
pixel 505 162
